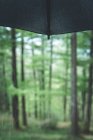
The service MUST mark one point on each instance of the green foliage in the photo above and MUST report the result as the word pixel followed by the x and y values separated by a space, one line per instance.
pixel 47 77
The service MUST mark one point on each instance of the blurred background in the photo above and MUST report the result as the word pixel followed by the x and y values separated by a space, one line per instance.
pixel 46 86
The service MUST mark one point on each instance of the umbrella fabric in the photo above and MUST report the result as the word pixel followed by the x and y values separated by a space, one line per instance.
pixel 47 16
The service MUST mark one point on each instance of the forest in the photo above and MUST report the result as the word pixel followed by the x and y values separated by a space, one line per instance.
pixel 46 86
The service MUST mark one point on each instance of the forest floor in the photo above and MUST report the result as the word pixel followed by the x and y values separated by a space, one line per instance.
pixel 36 132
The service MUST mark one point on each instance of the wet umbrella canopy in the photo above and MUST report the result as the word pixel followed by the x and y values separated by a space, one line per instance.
pixel 47 16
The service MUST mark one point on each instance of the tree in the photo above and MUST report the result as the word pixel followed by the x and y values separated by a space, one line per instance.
pixel 90 89
pixel 15 102
pixel 35 85
pixel 74 109
pixel 24 117
pixel 66 78
pixel 83 94
pixel 42 80
pixel 50 75
pixel 4 102
pixel 4 41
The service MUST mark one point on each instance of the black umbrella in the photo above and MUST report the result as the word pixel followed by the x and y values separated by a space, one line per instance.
pixel 47 16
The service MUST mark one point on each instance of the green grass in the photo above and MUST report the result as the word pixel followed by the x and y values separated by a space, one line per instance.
pixel 35 131
pixel 31 133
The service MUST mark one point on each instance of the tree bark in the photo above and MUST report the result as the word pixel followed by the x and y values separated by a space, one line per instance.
pixel 74 110
pixel 5 87
pixel 15 104
pixel 24 116
pixel 4 101
pixel 42 82
pixel 15 108
pixel 65 106
pixel 83 94
pixel 50 77
pixel 34 76
pixel 66 83
pixel 22 59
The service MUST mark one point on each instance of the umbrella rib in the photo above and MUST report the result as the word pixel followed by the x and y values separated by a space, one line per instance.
pixel 48 17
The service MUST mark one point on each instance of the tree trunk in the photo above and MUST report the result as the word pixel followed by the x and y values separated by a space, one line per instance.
pixel 34 76
pixel 24 116
pixel 4 101
pixel 83 94
pixel 83 104
pixel 43 94
pixel 66 83
pixel 22 59
pixel 74 110
pixel 90 90
pixel 5 86
pixel 64 106
pixel 42 108
pixel 50 77
pixel 15 104
pixel 42 80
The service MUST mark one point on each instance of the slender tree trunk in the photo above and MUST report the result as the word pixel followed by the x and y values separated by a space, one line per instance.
pixel 65 106
pixel 24 116
pixel 83 105
pixel 83 94
pixel 5 87
pixel 50 77
pixel 3 91
pixel 74 110
pixel 34 76
pixel 22 59
pixel 36 112
pixel 90 91
pixel 15 104
pixel 42 96
pixel 4 102
pixel 66 85
pixel 42 71
pixel 51 62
